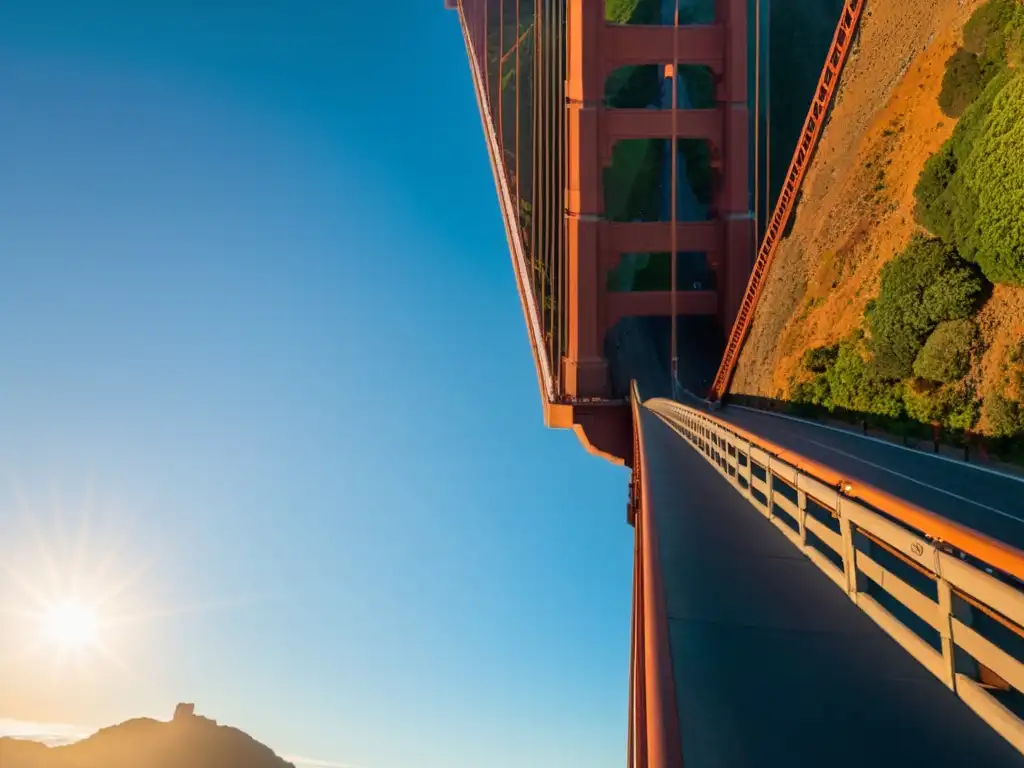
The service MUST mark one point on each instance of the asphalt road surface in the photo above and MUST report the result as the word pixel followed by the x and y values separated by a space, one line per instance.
pixel 773 664
pixel 985 501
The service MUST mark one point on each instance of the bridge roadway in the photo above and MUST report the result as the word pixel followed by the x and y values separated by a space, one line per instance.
pixel 773 664
pixel 985 501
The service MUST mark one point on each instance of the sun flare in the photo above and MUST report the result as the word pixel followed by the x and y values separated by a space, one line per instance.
pixel 71 625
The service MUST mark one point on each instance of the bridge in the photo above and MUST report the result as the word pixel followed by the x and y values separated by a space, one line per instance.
pixel 802 595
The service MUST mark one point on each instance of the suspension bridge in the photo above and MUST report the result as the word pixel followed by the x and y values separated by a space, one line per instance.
pixel 803 595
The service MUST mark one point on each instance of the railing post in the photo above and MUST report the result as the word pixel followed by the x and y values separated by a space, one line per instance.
pixel 849 551
pixel 946 628
pixel 743 448
pixel 801 508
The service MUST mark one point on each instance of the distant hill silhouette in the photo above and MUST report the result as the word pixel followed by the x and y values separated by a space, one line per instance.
pixel 187 741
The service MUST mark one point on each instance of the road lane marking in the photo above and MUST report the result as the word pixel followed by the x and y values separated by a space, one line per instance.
pixel 911 479
pixel 851 433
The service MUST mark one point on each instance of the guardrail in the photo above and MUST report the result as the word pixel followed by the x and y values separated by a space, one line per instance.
pixel 653 739
pixel 809 136
pixel 957 592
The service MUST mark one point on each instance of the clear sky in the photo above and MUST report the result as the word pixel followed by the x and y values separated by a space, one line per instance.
pixel 265 386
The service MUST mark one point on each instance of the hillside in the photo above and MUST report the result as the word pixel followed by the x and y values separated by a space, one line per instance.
pixel 838 328
pixel 187 741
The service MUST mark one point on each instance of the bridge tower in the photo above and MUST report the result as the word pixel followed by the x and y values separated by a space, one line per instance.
pixel 540 73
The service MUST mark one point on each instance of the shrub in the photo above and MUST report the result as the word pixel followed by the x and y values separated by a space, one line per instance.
pixel 954 294
pixel 1005 417
pixel 985 31
pixel 963 412
pixel 946 355
pixel 954 407
pixel 988 191
pixel 932 209
pixel 855 387
pixel 813 392
pixel 818 359
pixel 923 286
pixel 1015 40
pixel 920 401
pixel 939 191
pixel 966 77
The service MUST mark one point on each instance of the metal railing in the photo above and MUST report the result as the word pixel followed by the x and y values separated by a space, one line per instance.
pixel 809 136
pixel 653 738
pixel 880 549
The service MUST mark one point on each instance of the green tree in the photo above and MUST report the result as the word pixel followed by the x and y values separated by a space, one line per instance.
pixel 946 355
pixel 939 188
pixel 965 79
pixel 952 406
pixel 1005 416
pixel 925 285
pixel 853 385
pixel 932 210
pixel 813 392
pixel 988 191
pixel 986 31
pixel 818 359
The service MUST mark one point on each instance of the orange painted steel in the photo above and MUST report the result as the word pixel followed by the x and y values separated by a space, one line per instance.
pixel 809 137
pixel 991 551
pixel 658 721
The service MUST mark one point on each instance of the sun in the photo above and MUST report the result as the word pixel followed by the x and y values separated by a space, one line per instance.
pixel 71 625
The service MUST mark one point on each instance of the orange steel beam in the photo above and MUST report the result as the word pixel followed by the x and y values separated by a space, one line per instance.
pixel 734 193
pixel 660 724
pixel 596 48
pixel 622 304
pixel 603 429
pixel 638 44
pixel 623 124
pixel 812 129
pixel 585 370
pixel 656 236
pixel 987 549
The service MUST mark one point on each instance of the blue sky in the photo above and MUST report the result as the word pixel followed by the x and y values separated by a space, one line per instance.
pixel 262 364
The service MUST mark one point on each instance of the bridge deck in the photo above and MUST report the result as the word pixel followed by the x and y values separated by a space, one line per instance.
pixel 985 502
pixel 773 664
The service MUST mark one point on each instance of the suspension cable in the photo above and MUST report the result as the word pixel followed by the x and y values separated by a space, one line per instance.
pixel 519 198
pixel 501 84
pixel 768 117
pixel 486 61
pixel 673 353
pixel 757 125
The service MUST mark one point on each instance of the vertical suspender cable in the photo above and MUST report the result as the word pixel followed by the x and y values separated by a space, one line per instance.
pixel 547 96
pixel 768 114
pixel 757 124
pixel 563 295
pixel 519 199
pixel 674 154
pixel 501 83
pixel 545 182
pixel 537 159
pixel 486 62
